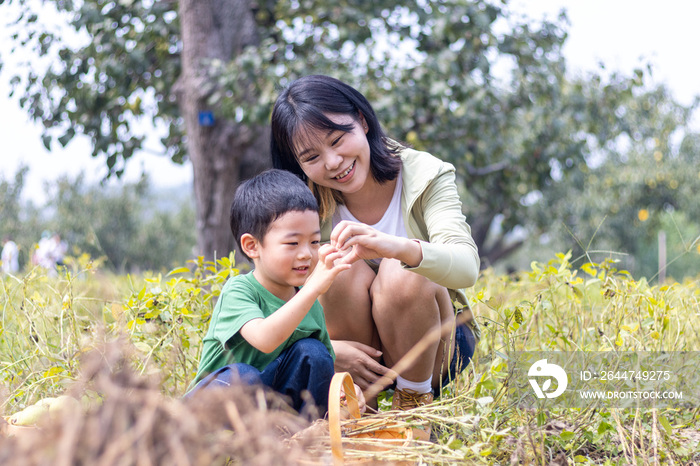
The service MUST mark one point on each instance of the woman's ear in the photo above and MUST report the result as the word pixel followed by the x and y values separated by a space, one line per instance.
pixel 249 244
pixel 363 122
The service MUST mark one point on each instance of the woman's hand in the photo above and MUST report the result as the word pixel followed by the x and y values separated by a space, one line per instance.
pixel 358 359
pixel 359 241
pixel 327 268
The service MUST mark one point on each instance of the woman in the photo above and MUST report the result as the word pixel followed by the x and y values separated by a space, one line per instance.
pixel 399 210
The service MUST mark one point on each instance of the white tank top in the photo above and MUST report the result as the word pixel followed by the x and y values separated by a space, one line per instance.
pixel 391 222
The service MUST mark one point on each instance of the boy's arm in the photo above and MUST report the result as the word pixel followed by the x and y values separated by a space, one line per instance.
pixel 269 333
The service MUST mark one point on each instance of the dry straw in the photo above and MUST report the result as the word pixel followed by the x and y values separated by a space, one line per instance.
pixel 129 422
pixel 126 420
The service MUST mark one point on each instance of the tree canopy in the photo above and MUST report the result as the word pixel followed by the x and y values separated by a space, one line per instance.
pixel 462 79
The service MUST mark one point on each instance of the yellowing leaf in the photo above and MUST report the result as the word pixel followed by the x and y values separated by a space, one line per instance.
pixel 495 302
pixel 619 341
pixel 589 268
pixel 53 371
pixel 630 329
pixel 117 310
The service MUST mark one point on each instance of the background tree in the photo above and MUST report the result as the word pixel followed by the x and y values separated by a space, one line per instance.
pixel 11 203
pixel 462 79
pixel 644 181
pixel 129 226
pixel 17 217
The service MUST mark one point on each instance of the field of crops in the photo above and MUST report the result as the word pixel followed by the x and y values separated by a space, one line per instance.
pixel 126 347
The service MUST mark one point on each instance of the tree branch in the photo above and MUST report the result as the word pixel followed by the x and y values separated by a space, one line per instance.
pixel 488 169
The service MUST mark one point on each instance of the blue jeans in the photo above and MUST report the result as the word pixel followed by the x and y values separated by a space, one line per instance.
pixel 465 344
pixel 306 366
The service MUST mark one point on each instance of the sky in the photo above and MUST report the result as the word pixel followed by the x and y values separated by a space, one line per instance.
pixel 626 33
pixel 622 34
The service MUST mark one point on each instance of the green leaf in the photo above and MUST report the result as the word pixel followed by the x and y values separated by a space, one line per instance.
pixel 46 140
pixel 143 347
pixel 666 425
pixel 567 435
pixel 65 139
pixel 488 384
pixel 455 444
pixel 604 427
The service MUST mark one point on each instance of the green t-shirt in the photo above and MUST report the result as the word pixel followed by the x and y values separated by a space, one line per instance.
pixel 242 299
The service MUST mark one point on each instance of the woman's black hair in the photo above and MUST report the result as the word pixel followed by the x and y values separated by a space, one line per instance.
pixel 303 106
pixel 264 198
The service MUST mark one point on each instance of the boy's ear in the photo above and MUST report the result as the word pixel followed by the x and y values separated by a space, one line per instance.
pixel 249 244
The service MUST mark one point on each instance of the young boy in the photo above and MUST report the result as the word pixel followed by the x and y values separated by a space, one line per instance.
pixel 266 327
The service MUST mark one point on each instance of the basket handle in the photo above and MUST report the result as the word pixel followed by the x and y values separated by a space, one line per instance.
pixel 344 380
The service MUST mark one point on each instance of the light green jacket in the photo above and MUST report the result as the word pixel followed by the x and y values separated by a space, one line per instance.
pixel 432 213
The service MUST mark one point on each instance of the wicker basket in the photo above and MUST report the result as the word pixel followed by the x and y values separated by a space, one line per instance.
pixel 345 424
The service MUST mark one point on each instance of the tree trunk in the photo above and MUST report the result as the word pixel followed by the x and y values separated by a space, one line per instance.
pixel 222 152
pixel 491 249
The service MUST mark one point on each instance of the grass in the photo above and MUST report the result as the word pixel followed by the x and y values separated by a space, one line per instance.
pixel 50 324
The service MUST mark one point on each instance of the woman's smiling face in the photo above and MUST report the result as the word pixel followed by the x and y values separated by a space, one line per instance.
pixel 336 159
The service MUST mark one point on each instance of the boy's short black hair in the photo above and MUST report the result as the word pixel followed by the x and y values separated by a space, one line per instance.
pixel 264 198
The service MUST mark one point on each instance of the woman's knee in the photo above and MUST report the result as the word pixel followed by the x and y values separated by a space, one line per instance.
pixel 350 288
pixel 347 305
pixel 397 287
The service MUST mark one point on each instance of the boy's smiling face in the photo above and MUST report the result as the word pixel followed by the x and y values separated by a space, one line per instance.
pixel 288 252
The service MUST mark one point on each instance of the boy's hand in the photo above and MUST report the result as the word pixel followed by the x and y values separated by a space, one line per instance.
pixel 326 269
pixel 360 399
pixel 361 403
